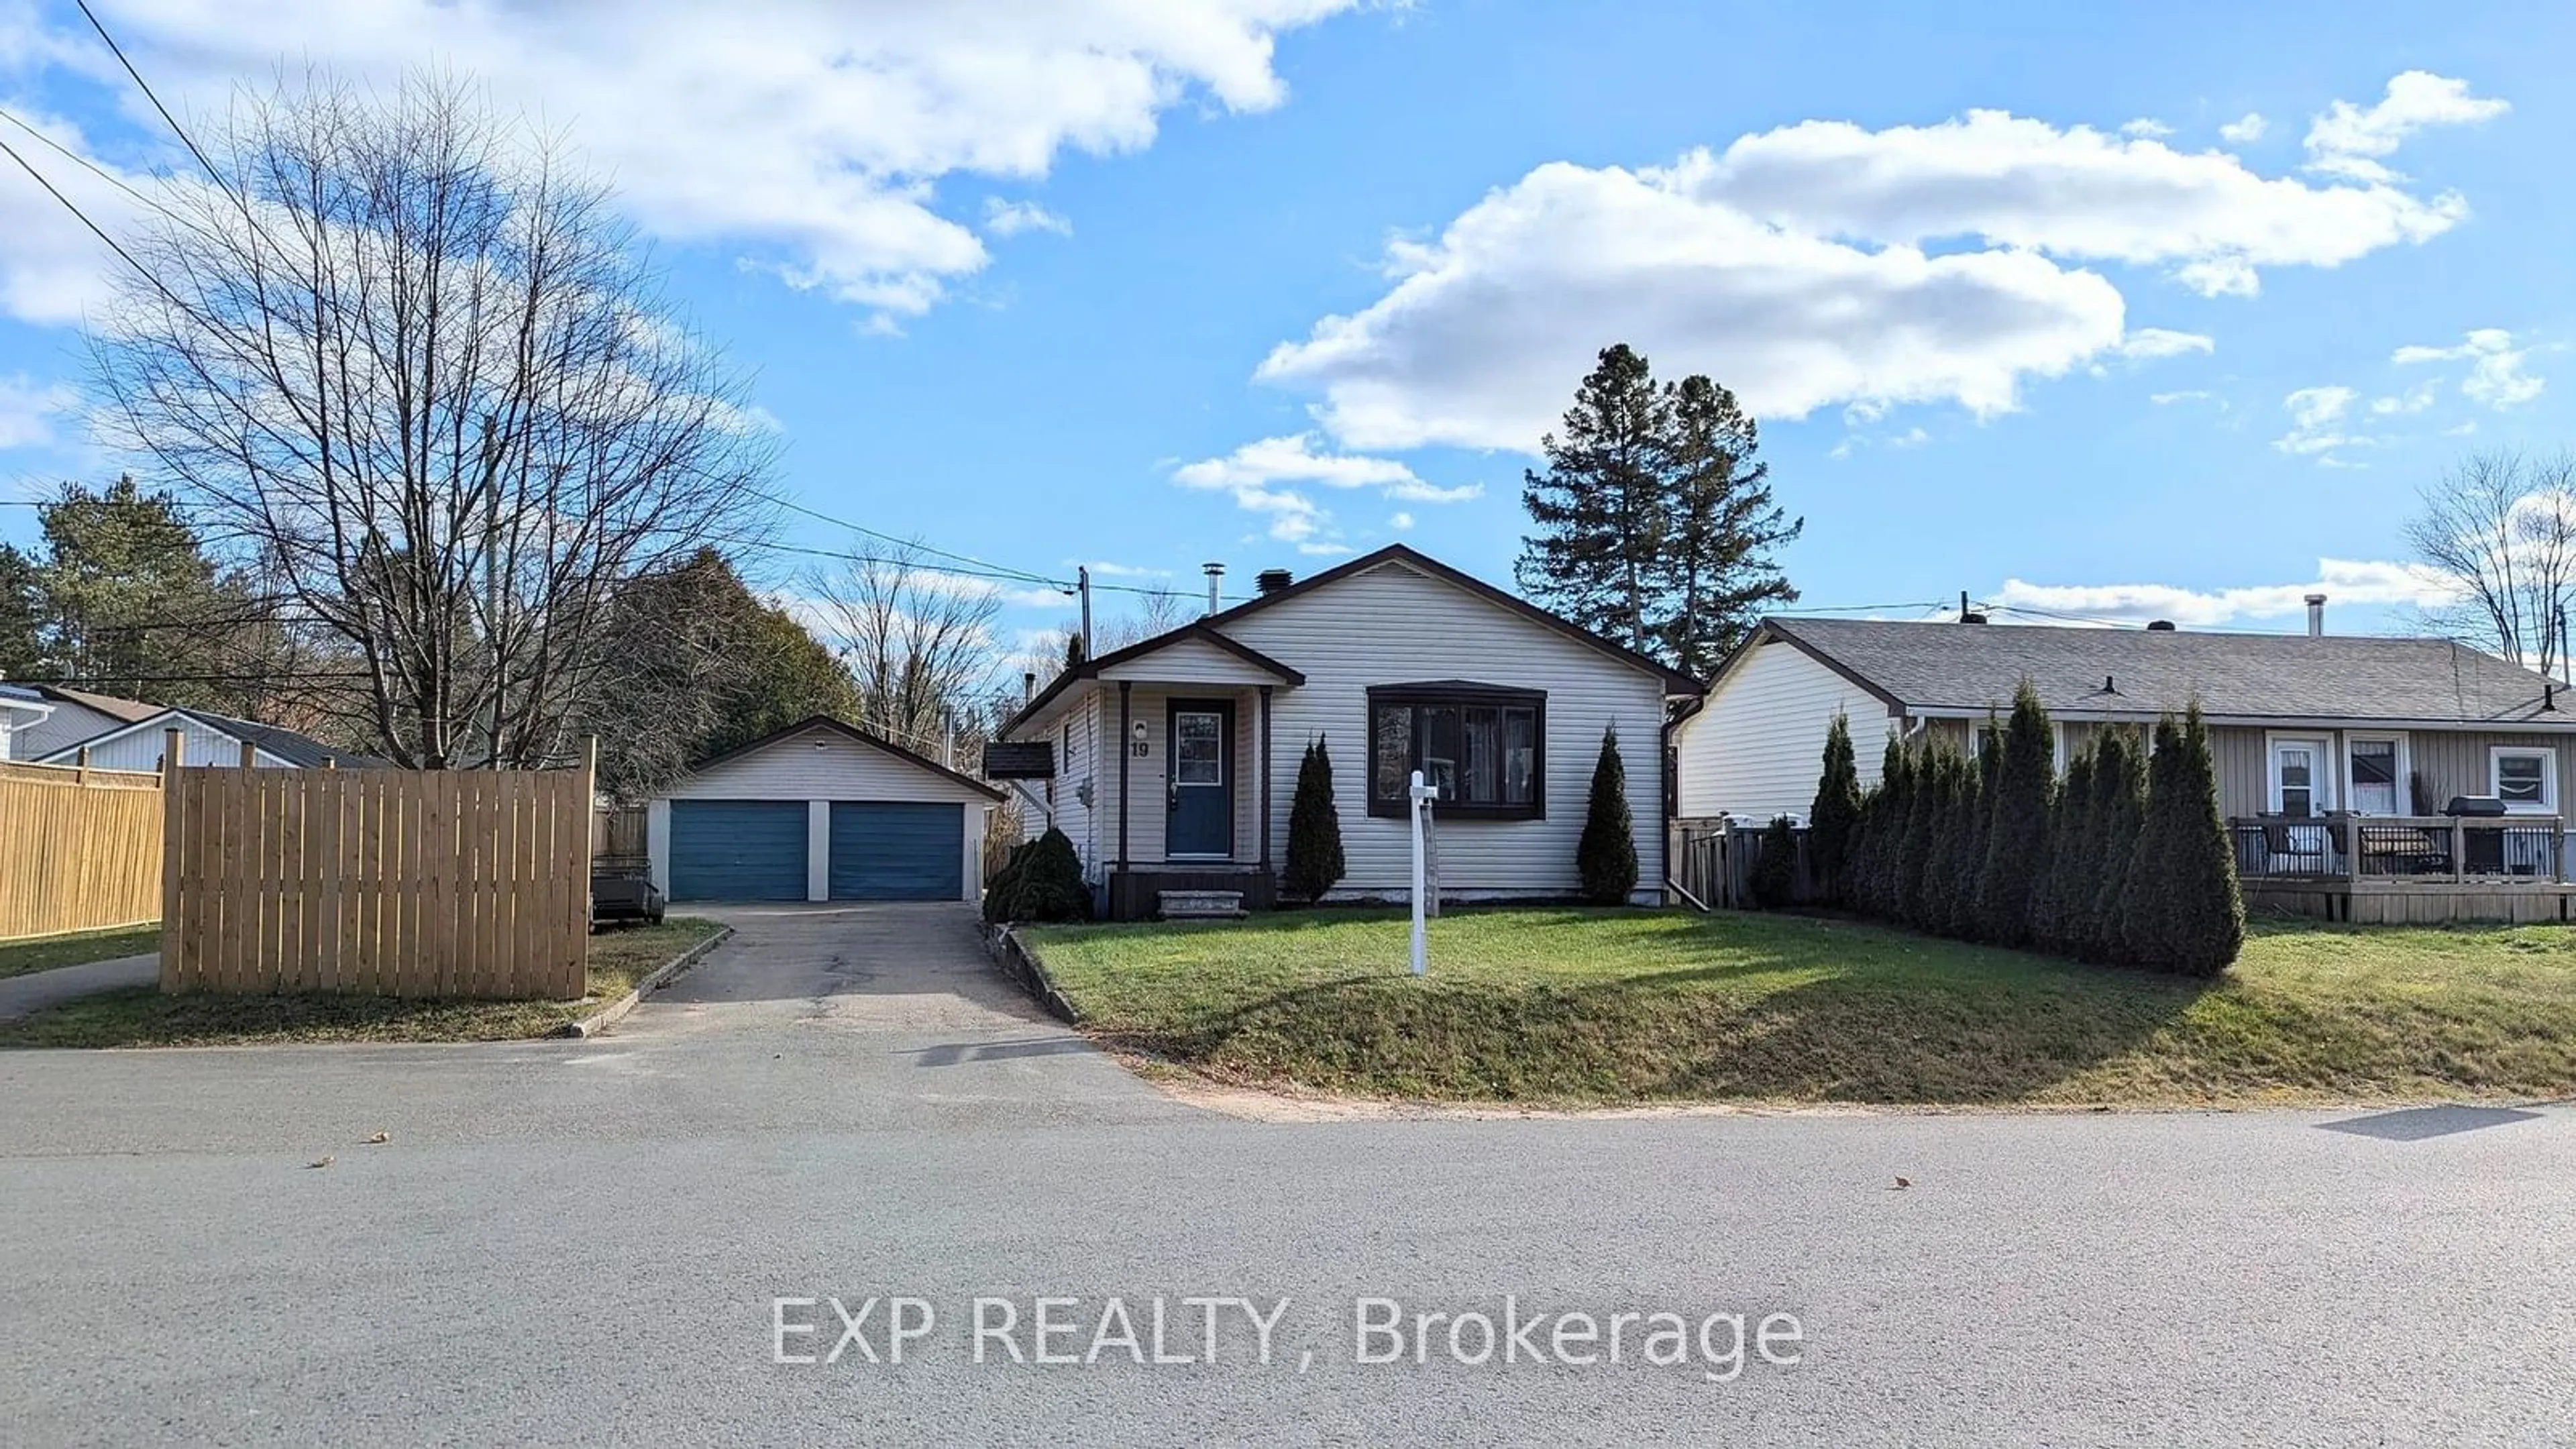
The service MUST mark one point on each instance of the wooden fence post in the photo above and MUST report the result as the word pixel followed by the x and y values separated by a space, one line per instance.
pixel 174 837
pixel 249 755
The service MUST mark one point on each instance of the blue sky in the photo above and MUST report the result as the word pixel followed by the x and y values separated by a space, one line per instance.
pixel 1274 280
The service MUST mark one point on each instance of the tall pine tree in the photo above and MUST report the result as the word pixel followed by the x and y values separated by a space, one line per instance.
pixel 2119 805
pixel 1600 509
pixel 1716 573
pixel 1315 862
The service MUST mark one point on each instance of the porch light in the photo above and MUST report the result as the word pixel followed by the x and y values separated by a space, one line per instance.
pixel 1136 732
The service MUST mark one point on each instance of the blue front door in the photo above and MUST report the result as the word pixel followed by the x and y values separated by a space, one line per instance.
pixel 1200 787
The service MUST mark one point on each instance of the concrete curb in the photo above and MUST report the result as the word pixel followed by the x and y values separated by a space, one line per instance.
pixel 607 1016
pixel 1021 964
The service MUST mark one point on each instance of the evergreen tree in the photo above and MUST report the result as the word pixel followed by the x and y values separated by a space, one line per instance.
pixel 20 653
pixel 1074 647
pixel 1959 851
pixel 1924 809
pixel 2119 807
pixel 1836 812
pixel 2053 915
pixel 1314 863
pixel 129 603
pixel 2182 910
pixel 1605 859
pixel 2016 847
pixel 1715 572
pixel 1888 807
pixel 1600 510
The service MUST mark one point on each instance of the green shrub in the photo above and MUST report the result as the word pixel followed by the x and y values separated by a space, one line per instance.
pixel 2053 912
pixel 1041 880
pixel 1605 859
pixel 2119 803
pixel 2182 911
pixel 1315 861
pixel 2015 854
pixel 1836 813
pixel 1774 877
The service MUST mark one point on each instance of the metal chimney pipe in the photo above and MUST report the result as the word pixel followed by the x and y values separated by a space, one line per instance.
pixel 1214 572
pixel 1028 685
pixel 2316 616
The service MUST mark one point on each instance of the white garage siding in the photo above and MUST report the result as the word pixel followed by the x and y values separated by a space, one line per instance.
pixel 1757 746
pixel 819 765
pixel 1395 625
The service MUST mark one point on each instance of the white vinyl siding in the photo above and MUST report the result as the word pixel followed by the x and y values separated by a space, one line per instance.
pixel 1757 747
pixel 1191 661
pixel 1147 777
pixel 1394 625
pixel 139 748
pixel 64 729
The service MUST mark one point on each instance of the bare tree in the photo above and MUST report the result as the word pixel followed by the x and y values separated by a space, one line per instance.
pixel 2502 527
pixel 1157 611
pixel 415 371
pixel 918 641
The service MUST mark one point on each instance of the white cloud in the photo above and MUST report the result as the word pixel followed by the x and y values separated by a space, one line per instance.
pixel 810 137
pixel 2413 400
pixel 2148 127
pixel 2316 424
pixel 1255 471
pixel 1910 438
pixel 1010 218
pixel 2168 399
pixel 2149 343
pixel 53 270
pixel 2343 581
pixel 2348 140
pixel 1399 521
pixel 2495 375
pixel 1818 265
pixel 28 409
pixel 2245 129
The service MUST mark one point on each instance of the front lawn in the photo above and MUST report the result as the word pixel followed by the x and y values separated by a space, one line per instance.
pixel 1575 1006
pixel 143 1017
pixel 17 958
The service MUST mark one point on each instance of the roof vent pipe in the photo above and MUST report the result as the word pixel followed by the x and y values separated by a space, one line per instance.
pixel 1214 572
pixel 1271 581
pixel 1028 686
pixel 1972 618
pixel 2160 626
pixel 2316 616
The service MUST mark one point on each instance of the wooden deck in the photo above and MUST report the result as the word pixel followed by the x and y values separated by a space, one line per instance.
pixel 2406 870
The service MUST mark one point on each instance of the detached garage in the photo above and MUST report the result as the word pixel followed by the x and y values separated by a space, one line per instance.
pixel 820 811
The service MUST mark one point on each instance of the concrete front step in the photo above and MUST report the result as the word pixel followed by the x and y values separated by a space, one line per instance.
pixel 1200 905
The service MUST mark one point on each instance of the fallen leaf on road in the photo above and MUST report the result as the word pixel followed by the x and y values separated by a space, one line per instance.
pixel 380 1139
pixel 1902 1184
pixel 323 1161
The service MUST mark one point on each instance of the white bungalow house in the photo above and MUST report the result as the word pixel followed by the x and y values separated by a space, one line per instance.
pixel 1172 763
pixel 205 738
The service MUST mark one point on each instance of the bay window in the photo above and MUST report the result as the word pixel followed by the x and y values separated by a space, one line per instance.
pixel 1484 747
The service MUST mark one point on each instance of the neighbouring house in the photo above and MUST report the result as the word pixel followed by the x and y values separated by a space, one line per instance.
pixel 205 739
pixel 2306 730
pixel 23 711
pixel 820 811
pixel 1172 763
pixel 77 715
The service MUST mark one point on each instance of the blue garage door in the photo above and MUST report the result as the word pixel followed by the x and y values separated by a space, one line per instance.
pixel 884 850
pixel 738 850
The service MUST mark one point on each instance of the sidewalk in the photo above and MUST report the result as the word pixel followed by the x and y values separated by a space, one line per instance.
pixel 33 992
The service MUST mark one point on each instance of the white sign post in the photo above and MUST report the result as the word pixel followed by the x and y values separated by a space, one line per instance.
pixel 1422 795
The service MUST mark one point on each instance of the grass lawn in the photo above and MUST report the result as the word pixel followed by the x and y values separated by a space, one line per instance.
pixel 143 1017
pixel 17 958
pixel 1578 1006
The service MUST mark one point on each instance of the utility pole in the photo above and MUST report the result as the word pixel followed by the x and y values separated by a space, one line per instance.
pixel 1082 581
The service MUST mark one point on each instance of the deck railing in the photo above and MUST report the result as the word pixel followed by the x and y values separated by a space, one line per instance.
pixel 2422 848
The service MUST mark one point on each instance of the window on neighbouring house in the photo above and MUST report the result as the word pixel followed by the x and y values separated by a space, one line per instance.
pixel 2525 779
pixel 2373 787
pixel 2299 778
pixel 1483 747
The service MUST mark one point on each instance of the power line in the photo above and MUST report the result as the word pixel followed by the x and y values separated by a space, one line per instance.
pixel 77 159
pixel 176 129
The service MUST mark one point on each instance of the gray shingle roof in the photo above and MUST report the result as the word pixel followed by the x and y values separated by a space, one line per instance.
pixel 1937 667
pixel 302 751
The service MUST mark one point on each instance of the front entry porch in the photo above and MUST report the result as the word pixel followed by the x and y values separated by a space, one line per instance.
pixel 1192 793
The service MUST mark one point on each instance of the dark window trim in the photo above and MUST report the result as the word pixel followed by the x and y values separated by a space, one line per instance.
pixel 1460 692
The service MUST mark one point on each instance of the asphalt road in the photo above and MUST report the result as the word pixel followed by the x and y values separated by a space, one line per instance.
pixel 584 1242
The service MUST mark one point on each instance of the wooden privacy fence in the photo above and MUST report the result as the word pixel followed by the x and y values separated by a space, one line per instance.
pixel 1713 860
pixel 80 849
pixel 390 882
